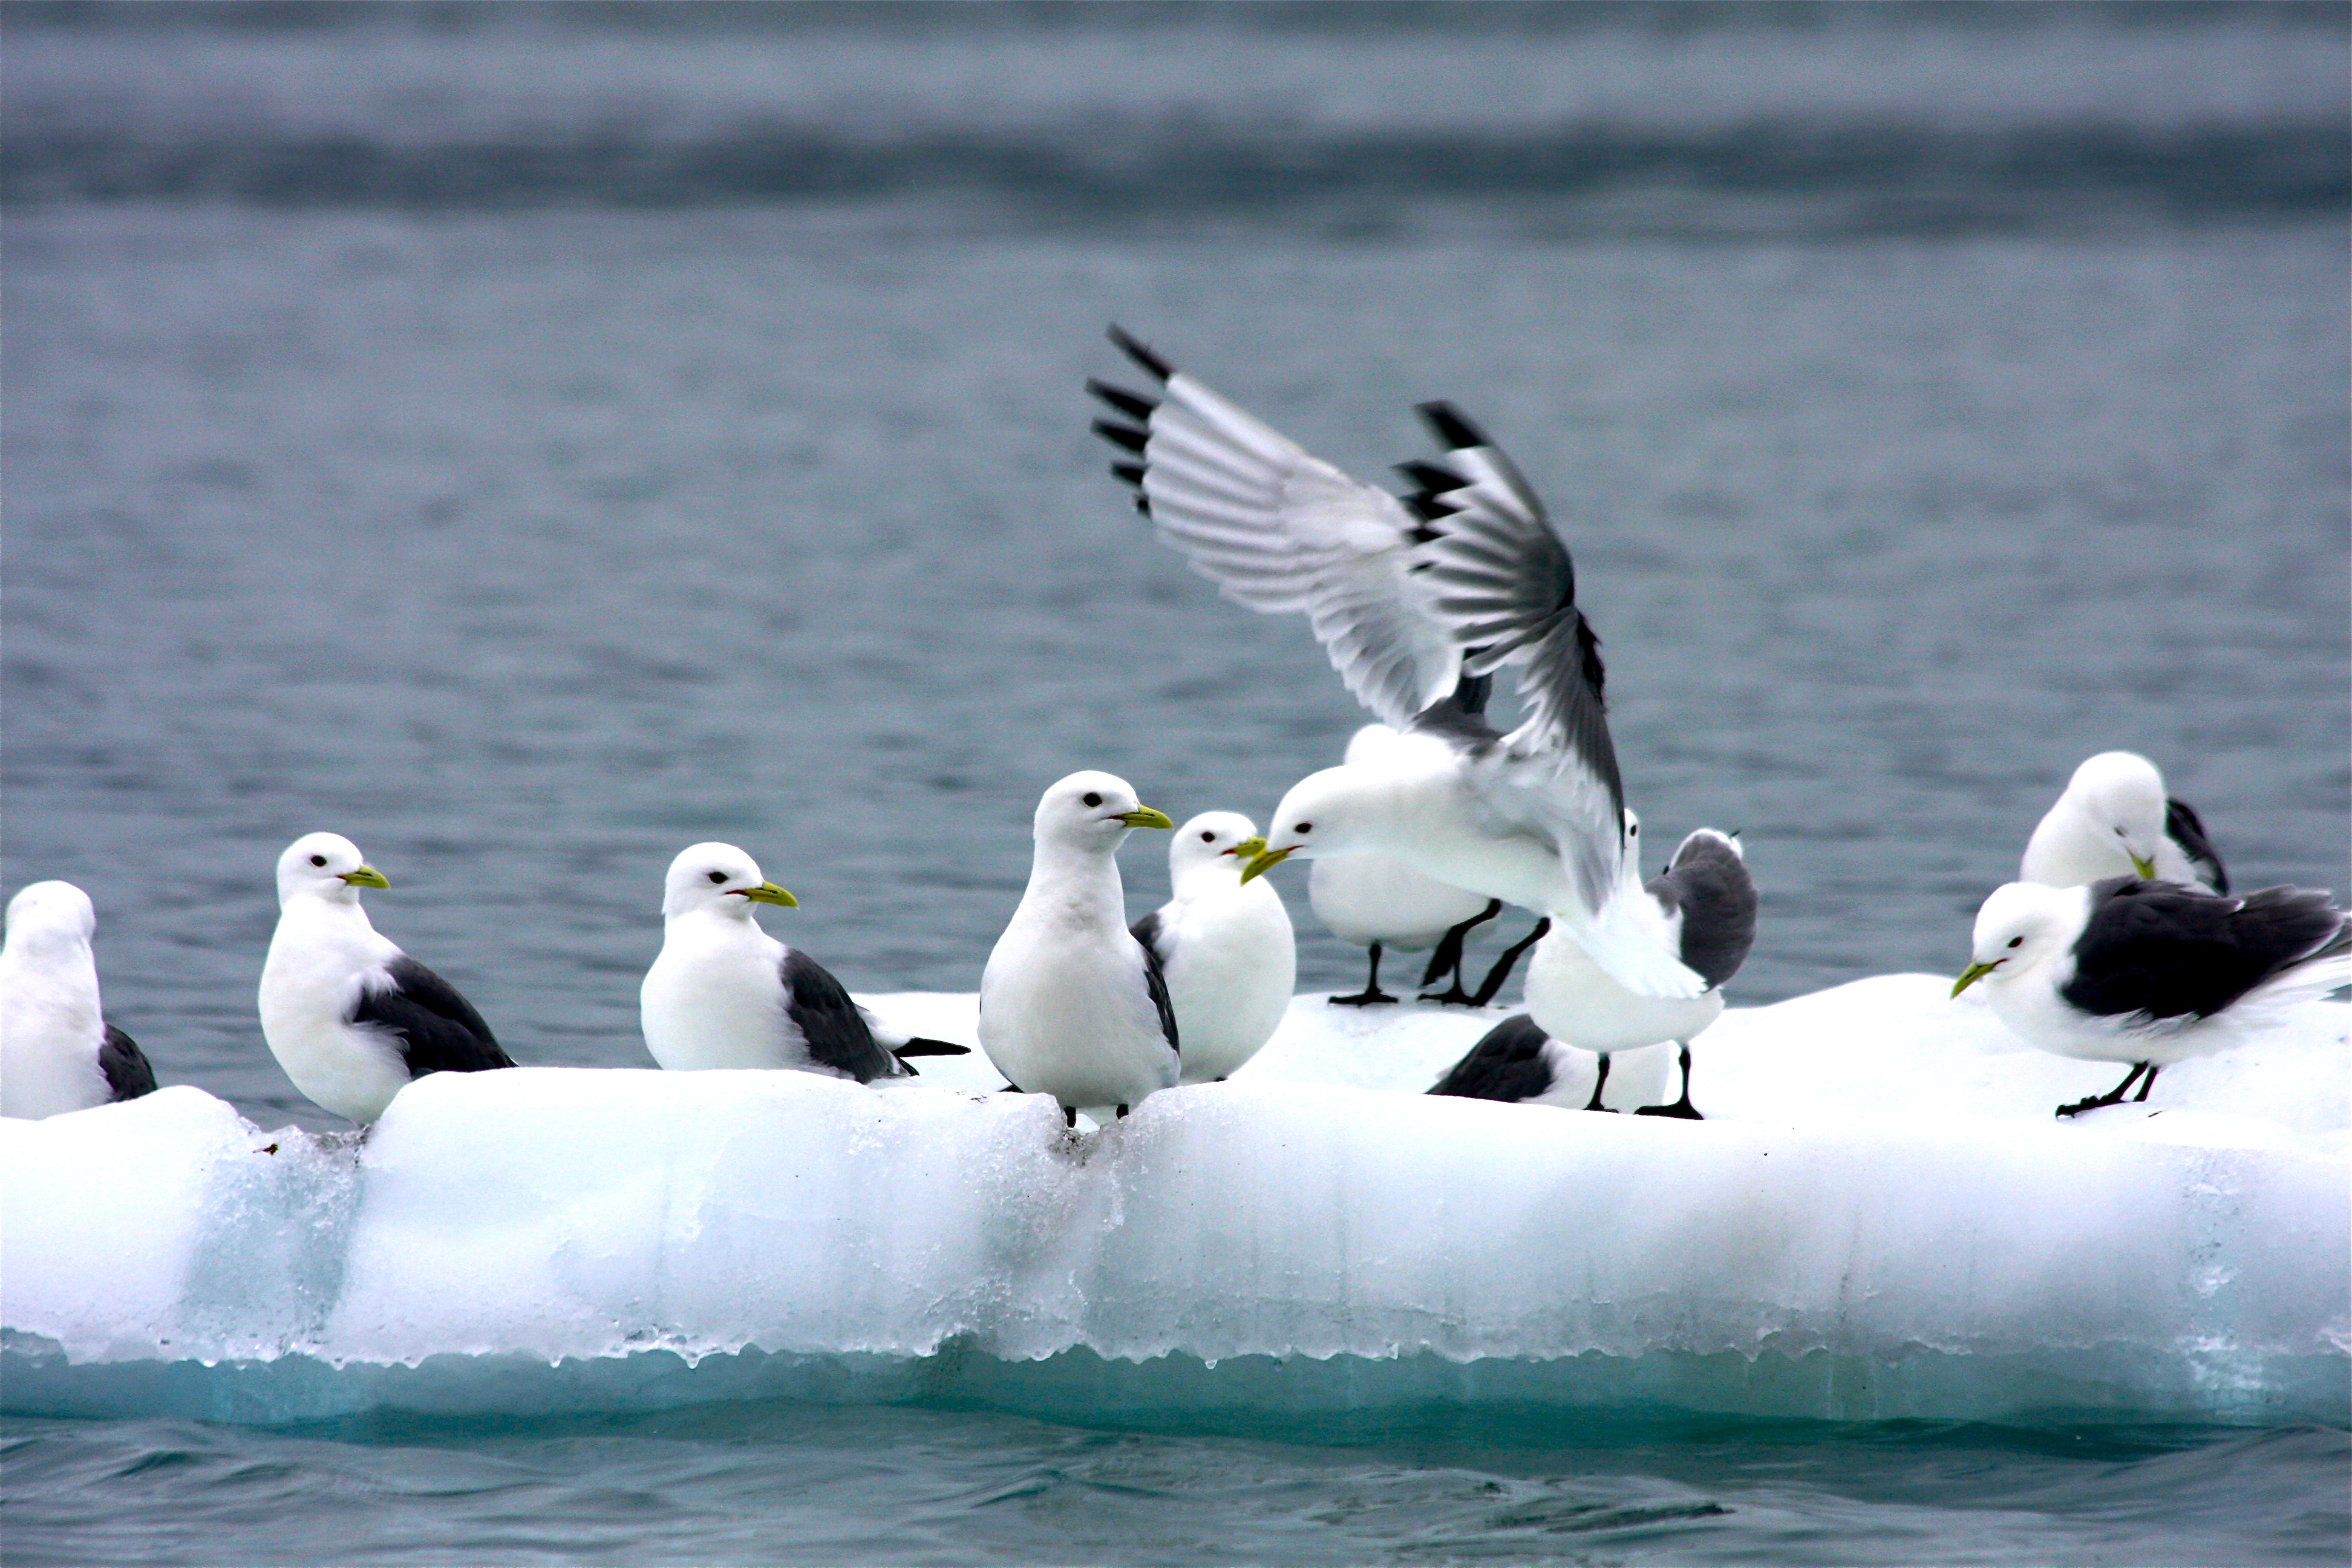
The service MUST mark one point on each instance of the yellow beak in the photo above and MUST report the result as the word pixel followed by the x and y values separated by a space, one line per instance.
pixel 768 893
pixel 366 876
pixel 2147 869
pixel 1263 862
pixel 1247 847
pixel 1144 817
pixel 1974 972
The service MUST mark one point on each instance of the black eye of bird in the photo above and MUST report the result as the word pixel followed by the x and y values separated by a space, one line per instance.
pixel 318 859
pixel 1208 838
pixel 1304 827
pixel 1092 798
pixel 718 876
pixel 2017 942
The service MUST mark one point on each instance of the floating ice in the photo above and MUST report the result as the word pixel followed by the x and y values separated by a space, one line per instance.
pixel 1880 1218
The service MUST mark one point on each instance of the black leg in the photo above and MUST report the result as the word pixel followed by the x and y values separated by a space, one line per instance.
pixel 1682 1107
pixel 1508 962
pixel 1372 992
pixel 1598 1084
pixel 1070 1115
pixel 1449 955
pixel 2146 1083
pixel 2112 1095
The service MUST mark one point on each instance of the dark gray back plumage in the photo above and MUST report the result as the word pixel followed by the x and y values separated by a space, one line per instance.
pixel 2187 831
pixel 1508 1063
pixel 836 1031
pixel 2163 950
pixel 1710 884
pixel 127 1076
pixel 1155 980
pixel 437 1030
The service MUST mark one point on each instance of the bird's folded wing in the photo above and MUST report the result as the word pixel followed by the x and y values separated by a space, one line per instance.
pixel 437 1029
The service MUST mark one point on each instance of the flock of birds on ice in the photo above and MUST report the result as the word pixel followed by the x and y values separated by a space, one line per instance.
pixel 2120 940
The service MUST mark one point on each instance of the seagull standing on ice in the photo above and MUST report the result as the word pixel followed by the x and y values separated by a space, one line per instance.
pixel 725 993
pixel 350 1016
pixel 1705 910
pixel 1071 1003
pixel 2150 972
pixel 1378 902
pixel 1705 905
pixel 2114 820
pixel 57 1052
pixel 1224 946
pixel 1463 577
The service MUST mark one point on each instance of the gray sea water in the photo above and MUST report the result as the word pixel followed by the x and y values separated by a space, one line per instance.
pixel 528 440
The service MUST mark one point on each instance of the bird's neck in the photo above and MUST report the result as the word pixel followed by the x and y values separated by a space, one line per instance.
pixel 1076 884
pixel 1222 875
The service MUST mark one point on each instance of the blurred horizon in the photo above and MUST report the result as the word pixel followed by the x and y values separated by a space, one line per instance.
pixel 1678 120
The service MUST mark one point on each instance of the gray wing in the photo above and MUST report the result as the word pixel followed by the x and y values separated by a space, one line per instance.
pixel 833 1025
pixel 2187 831
pixel 435 1028
pixel 1505 586
pixel 1508 1063
pixel 1279 530
pixel 1147 931
pixel 127 1076
pixel 1708 884
pixel 1155 981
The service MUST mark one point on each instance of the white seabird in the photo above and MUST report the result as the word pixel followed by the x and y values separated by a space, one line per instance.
pixel 1377 902
pixel 1071 1003
pixel 57 1052
pixel 1704 908
pixel 2150 972
pixel 1461 578
pixel 350 1016
pixel 724 994
pixel 2114 820
pixel 1226 947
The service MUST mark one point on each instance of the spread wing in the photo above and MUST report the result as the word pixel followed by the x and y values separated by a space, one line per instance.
pixel 1278 529
pixel 435 1028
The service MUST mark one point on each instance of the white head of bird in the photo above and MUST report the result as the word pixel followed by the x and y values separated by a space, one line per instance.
pixel 721 880
pixel 2020 926
pixel 1092 812
pixel 1333 812
pixel 327 866
pixel 50 921
pixel 1212 847
pixel 2120 796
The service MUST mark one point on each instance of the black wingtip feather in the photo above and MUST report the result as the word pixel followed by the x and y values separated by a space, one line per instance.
pixel 1128 403
pixel 1125 435
pixel 1446 423
pixel 1132 472
pixel 1160 369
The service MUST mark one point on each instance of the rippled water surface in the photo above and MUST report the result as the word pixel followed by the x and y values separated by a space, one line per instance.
pixel 530 448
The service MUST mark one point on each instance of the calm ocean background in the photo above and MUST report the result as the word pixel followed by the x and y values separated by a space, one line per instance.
pixel 529 439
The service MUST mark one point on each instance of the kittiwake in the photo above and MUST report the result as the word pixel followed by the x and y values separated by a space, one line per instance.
pixel 57 1052
pixel 724 994
pixel 2114 820
pixel 1071 1003
pixel 2150 972
pixel 1224 946
pixel 1463 577
pixel 350 1016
